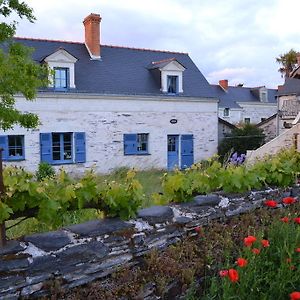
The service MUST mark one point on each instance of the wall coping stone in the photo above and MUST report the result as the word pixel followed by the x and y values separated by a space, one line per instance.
pixel 156 214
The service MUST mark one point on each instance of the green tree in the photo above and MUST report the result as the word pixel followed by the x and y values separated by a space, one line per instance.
pixel 248 137
pixel 288 62
pixel 19 74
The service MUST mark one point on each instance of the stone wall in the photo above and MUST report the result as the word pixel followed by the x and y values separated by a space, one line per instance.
pixel 81 253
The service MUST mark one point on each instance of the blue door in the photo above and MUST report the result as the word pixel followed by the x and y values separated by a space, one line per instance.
pixel 187 150
pixel 173 151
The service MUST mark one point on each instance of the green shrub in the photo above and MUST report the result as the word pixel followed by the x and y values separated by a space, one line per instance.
pixel 44 171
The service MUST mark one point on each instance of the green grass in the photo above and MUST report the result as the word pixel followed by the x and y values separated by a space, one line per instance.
pixel 150 180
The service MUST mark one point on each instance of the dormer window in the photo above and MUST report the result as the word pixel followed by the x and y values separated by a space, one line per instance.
pixel 63 65
pixel 264 96
pixel 61 78
pixel 172 84
pixel 170 73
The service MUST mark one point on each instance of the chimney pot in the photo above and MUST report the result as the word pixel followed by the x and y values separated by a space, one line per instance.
pixel 224 84
pixel 92 35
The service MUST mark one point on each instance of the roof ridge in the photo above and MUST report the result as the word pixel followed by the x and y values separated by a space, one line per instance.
pixel 111 46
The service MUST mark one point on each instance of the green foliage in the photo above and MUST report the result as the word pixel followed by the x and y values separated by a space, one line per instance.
pixel 18 72
pixel 44 171
pixel 288 62
pixel 52 197
pixel 248 137
pixel 280 170
pixel 272 274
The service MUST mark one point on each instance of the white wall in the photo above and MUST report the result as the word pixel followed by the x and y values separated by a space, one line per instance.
pixel 235 115
pixel 106 119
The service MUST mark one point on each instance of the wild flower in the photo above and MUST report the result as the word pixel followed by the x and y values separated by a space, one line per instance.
pixel 297 220
pixel 223 273
pixel 237 160
pixel 249 240
pixel 289 200
pixel 285 219
pixel 265 243
pixel 255 251
pixel 270 203
pixel 297 250
pixel 233 275
pixel 295 296
pixel 241 262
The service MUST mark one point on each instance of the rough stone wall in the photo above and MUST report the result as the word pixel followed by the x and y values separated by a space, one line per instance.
pixel 81 253
pixel 284 141
pixel 257 112
pixel 106 119
pixel 269 129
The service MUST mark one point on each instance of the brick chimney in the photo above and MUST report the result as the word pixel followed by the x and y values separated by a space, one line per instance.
pixel 224 84
pixel 280 87
pixel 92 35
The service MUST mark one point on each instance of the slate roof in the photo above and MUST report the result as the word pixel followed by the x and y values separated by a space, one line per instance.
pixel 122 70
pixel 291 87
pixel 236 94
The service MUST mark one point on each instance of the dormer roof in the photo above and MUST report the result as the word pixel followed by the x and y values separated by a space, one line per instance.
pixel 60 55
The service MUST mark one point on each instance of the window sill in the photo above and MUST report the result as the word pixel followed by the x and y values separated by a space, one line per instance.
pixel 14 159
pixel 138 154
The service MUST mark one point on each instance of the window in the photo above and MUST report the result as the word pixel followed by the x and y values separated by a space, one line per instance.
pixel 13 147
pixel 172 84
pixel 263 96
pixel 61 78
pixel 136 144
pixel 247 120
pixel 226 112
pixel 63 147
pixel 263 119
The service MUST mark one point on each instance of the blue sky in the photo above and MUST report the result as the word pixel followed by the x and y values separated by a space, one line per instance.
pixel 227 39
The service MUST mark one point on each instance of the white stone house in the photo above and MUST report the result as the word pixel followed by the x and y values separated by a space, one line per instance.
pixel 111 106
pixel 240 104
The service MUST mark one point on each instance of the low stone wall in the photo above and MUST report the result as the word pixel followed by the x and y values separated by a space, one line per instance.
pixel 81 253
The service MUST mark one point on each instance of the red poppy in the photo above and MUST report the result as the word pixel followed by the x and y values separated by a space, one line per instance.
pixel 295 296
pixel 297 250
pixel 270 203
pixel 289 200
pixel 256 251
pixel 285 219
pixel 289 260
pixel 265 243
pixel 249 240
pixel 233 275
pixel 241 262
pixel 198 229
pixel 223 273
pixel 297 220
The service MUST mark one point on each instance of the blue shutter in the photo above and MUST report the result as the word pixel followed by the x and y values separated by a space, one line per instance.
pixel 187 151
pixel 80 153
pixel 46 147
pixel 4 145
pixel 68 78
pixel 130 144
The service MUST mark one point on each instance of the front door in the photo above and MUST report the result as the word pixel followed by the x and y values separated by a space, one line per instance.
pixel 187 150
pixel 173 151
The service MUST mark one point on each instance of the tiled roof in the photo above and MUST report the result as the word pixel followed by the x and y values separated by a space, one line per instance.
pixel 291 86
pixel 236 94
pixel 122 70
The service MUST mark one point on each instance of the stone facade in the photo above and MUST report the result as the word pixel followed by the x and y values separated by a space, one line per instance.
pixel 105 119
pixel 269 127
pixel 85 252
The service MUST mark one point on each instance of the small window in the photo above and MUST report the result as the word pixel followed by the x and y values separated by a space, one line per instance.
pixel 226 112
pixel 63 147
pixel 136 144
pixel 172 84
pixel 61 80
pixel 264 97
pixel 247 120
pixel 13 147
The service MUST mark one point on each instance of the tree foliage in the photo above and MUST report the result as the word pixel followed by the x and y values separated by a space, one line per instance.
pixel 19 74
pixel 248 137
pixel 287 61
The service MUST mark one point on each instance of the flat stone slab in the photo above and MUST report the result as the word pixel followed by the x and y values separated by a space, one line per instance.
pixel 15 265
pixel 49 241
pixel 210 200
pixel 156 214
pixel 11 247
pixel 183 220
pixel 99 227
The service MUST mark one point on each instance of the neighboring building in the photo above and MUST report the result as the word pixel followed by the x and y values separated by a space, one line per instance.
pixel 225 128
pixel 269 127
pixel 110 107
pixel 240 104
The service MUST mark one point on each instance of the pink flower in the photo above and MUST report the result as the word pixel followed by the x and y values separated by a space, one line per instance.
pixel 223 273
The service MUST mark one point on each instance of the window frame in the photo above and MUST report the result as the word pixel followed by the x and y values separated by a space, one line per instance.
pixel 137 142
pixel 247 120
pixel 7 157
pixel 62 148
pixel 227 110
pixel 67 79
pixel 176 84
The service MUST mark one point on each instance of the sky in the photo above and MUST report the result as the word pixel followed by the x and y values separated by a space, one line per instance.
pixel 236 40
